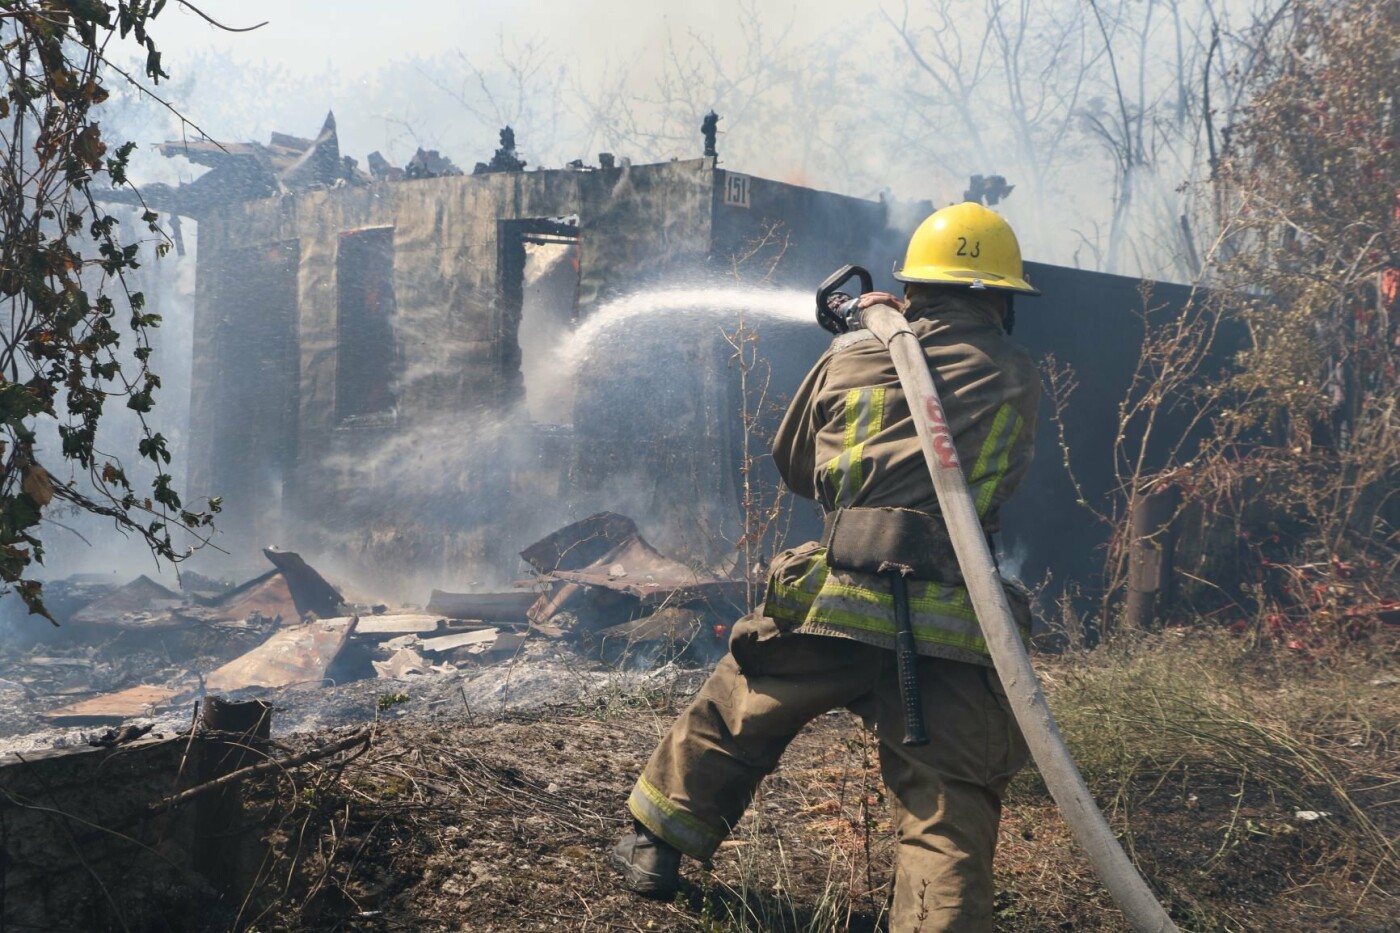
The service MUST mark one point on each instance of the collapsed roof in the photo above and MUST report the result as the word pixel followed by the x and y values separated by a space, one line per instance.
pixel 251 171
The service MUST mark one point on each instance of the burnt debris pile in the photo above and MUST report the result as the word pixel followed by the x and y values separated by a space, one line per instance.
pixel 606 587
pixel 599 596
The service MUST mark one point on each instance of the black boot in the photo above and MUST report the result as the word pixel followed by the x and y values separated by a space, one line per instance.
pixel 649 866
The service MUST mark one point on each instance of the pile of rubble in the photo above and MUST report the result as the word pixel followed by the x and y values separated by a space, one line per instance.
pixel 598 591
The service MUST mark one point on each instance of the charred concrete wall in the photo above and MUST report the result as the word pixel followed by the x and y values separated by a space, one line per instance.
pixel 797 236
pixel 272 302
pixel 76 851
pixel 1094 324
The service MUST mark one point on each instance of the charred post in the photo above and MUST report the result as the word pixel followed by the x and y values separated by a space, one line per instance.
pixel 1151 546
pixel 238 735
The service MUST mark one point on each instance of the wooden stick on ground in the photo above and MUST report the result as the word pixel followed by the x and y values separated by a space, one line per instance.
pixel 242 774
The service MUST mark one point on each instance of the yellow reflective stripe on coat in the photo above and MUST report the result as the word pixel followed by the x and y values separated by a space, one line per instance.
pixel 865 415
pixel 994 458
pixel 939 614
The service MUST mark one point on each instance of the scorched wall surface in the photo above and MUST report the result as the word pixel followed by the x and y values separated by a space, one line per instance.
pixel 289 465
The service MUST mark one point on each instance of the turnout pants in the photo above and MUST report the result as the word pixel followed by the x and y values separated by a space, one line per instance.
pixel 946 795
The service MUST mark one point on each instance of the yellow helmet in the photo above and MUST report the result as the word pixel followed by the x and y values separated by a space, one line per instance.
pixel 965 244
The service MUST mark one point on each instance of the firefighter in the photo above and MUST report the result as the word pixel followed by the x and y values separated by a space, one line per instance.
pixel 825 636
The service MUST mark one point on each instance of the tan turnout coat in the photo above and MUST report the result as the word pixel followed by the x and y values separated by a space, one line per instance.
pixel 848 440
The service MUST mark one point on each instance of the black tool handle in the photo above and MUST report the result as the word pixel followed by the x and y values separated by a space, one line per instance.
pixel 825 316
pixel 907 666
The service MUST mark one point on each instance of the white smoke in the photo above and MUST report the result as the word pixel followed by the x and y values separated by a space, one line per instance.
pixel 1057 96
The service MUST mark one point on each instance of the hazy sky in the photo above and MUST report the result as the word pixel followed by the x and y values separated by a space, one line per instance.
pixel 834 100
pixel 308 35
pixel 358 37
pixel 383 69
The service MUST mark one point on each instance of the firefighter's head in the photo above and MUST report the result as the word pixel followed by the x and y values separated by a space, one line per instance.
pixel 965 246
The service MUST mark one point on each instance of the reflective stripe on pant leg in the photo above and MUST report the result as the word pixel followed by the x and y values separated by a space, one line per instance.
pixel 671 824
pixel 703 773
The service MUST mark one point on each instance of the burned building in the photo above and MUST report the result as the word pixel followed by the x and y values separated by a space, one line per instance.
pixel 377 371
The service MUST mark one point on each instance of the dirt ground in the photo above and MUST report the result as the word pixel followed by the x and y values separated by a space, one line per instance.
pixel 504 825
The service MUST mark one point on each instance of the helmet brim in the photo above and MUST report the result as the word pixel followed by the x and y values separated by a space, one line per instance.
pixel 969 278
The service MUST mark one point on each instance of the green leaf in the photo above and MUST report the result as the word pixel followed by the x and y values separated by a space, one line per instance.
pixel 18 402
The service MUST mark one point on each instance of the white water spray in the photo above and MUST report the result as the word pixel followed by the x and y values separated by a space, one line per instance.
pixel 685 307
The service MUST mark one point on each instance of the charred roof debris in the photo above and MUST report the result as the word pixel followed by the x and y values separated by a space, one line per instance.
pixel 141 650
pixel 505 158
pixel 248 172
pixel 989 190
pixel 427 163
pixel 709 128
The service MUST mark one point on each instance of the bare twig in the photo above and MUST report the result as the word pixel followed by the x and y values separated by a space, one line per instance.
pixel 213 22
pixel 361 738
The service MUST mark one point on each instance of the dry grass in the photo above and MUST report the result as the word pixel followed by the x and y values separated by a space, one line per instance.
pixel 1201 748
pixel 1204 748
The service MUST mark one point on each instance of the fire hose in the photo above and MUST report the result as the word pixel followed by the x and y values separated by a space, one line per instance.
pixel 984 584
